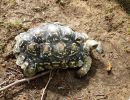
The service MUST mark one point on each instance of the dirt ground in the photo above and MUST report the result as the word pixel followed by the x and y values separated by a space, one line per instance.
pixel 103 20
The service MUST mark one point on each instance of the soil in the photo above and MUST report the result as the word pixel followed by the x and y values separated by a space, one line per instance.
pixel 103 20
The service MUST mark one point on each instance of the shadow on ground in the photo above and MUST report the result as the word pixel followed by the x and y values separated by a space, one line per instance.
pixel 65 82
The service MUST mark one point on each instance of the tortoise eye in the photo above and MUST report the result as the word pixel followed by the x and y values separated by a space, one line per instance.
pixel 78 39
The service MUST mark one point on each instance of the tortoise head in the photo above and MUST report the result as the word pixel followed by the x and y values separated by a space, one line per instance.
pixel 92 44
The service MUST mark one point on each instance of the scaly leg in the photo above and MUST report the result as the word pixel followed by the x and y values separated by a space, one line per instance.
pixel 85 68
pixel 28 68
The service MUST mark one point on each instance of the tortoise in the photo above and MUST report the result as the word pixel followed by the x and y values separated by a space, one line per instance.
pixel 54 46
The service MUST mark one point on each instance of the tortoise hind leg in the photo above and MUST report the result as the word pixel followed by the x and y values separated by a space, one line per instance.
pixel 85 68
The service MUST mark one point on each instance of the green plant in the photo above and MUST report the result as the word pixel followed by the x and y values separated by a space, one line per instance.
pixel 13 24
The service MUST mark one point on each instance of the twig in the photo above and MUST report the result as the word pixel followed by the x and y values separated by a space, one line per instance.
pixel 2 83
pixel 44 89
pixel 23 80
pixel 22 13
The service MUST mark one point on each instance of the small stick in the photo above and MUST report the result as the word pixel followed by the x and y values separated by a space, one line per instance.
pixel 24 14
pixel 23 80
pixel 2 83
pixel 44 89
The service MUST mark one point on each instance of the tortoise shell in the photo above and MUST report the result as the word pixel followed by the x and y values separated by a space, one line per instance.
pixel 50 46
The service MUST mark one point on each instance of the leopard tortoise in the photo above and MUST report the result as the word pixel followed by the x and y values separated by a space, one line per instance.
pixel 54 46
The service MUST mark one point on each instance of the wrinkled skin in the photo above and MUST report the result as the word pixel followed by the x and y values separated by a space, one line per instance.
pixel 52 46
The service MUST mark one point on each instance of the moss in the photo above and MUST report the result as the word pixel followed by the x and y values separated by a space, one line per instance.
pixel 13 24
pixel 9 3
pixel 129 31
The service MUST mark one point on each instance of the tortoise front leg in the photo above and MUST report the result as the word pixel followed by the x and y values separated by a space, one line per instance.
pixel 85 68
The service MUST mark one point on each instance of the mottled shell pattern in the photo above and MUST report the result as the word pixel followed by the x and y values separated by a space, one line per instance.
pixel 49 46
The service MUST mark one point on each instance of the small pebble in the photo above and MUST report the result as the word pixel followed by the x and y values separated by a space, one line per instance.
pixel 3 65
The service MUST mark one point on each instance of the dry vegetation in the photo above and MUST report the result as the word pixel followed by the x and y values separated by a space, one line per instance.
pixel 103 20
